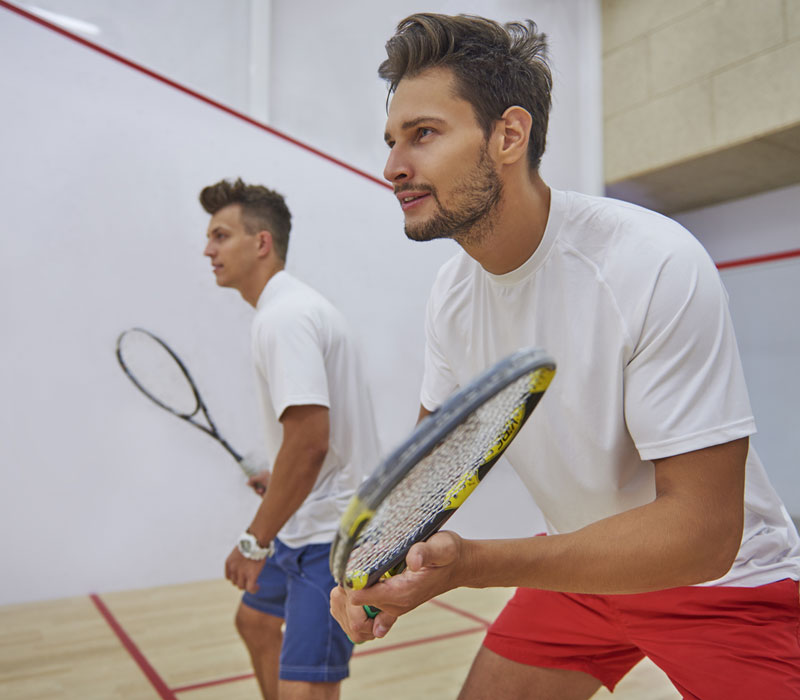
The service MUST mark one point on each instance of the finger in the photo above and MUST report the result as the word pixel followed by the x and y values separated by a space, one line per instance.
pixel 439 550
pixel 382 624
pixel 338 613
pixel 415 559
pixel 362 628
pixel 236 578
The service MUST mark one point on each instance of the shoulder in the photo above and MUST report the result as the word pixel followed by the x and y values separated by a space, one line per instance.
pixel 624 242
pixel 604 223
pixel 290 297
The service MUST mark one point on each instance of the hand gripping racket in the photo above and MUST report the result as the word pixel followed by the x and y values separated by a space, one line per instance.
pixel 423 482
pixel 161 376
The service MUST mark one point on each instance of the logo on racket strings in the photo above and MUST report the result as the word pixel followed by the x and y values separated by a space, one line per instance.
pixel 456 496
pixel 509 431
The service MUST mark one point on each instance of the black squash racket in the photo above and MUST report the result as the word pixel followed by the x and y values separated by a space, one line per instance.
pixel 424 481
pixel 161 376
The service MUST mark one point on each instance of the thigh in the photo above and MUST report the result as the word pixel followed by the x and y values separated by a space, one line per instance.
pixel 562 631
pixel 315 648
pixel 720 642
pixel 493 676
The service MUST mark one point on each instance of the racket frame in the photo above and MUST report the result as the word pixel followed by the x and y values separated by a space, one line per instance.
pixel 426 436
pixel 211 429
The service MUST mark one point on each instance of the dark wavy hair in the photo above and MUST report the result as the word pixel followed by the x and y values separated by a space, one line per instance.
pixel 262 209
pixel 496 66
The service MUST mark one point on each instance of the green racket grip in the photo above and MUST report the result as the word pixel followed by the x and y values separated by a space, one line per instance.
pixel 372 613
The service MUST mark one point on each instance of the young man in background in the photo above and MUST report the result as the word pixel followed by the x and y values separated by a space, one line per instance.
pixel 321 440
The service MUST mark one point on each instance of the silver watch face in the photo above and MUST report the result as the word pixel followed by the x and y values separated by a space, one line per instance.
pixel 245 545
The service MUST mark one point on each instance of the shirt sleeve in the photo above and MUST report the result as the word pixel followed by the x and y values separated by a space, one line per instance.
pixel 290 355
pixel 684 384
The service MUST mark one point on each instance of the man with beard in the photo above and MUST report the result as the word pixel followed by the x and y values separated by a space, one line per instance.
pixel 665 537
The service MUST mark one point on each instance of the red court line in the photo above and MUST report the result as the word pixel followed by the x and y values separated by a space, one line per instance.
pixel 359 652
pixel 189 91
pixel 459 611
pixel 366 651
pixel 784 255
pixel 152 675
pixel 415 642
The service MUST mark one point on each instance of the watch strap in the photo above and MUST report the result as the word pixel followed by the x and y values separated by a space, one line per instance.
pixel 250 548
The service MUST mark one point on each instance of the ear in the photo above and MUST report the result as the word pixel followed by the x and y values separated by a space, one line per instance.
pixel 263 243
pixel 512 132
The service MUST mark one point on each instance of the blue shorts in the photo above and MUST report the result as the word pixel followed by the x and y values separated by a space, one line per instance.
pixel 295 585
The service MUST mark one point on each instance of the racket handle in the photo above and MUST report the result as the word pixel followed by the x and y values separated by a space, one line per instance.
pixel 252 465
pixel 371 612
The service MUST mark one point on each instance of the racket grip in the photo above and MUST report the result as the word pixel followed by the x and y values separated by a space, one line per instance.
pixel 371 611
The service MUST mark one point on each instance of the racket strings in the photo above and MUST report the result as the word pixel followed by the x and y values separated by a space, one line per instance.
pixel 423 493
pixel 156 372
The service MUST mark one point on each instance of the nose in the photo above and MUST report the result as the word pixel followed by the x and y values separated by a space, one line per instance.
pixel 397 167
pixel 208 250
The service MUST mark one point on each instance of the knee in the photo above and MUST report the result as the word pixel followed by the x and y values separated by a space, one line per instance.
pixel 257 629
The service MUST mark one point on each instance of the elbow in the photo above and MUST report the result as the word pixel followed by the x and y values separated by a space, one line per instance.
pixel 315 453
pixel 722 550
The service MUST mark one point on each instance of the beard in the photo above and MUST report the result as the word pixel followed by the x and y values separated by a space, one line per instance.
pixel 471 218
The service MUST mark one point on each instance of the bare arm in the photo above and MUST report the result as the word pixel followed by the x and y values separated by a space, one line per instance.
pixel 688 534
pixel 297 466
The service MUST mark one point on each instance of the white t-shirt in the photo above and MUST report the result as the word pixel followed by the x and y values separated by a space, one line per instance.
pixel 632 309
pixel 305 354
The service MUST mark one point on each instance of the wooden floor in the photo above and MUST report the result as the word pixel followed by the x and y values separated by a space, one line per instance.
pixel 178 642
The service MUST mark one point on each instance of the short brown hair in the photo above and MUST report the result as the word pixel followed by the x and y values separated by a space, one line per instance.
pixel 496 66
pixel 262 209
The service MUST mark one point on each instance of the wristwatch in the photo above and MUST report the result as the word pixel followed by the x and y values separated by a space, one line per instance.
pixel 250 548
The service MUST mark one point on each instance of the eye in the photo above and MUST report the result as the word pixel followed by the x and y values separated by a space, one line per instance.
pixel 424 131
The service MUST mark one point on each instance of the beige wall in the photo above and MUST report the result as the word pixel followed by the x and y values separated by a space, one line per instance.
pixel 701 99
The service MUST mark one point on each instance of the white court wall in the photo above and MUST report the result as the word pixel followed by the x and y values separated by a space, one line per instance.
pixel 763 302
pixel 99 175
pixel 309 67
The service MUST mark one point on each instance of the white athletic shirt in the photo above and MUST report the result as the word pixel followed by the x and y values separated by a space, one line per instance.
pixel 305 354
pixel 632 309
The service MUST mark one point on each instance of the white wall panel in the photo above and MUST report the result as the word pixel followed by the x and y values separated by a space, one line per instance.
pixel 102 490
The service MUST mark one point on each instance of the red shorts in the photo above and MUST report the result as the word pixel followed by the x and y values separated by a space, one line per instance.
pixel 714 643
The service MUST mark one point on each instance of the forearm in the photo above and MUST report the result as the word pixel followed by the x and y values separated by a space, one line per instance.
pixel 293 476
pixel 296 468
pixel 641 550
pixel 689 534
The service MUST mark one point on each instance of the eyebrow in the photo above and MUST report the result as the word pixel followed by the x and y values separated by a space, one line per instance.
pixel 411 123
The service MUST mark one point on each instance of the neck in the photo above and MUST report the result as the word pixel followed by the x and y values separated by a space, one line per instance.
pixel 518 228
pixel 251 290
